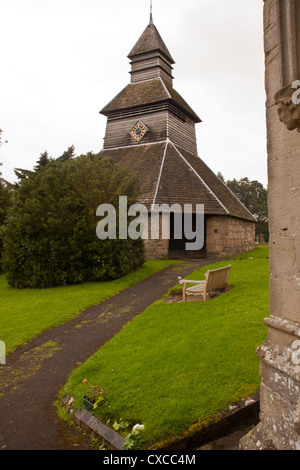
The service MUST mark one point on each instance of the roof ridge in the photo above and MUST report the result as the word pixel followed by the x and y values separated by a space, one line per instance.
pixel 227 188
pixel 166 89
pixel 201 179
pixel 233 195
pixel 175 96
pixel 160 172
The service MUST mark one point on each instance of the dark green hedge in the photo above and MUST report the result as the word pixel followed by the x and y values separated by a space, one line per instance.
pixel 6 195
pixel 50 238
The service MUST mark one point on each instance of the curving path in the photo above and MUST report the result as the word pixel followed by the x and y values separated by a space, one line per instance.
pixel 35 373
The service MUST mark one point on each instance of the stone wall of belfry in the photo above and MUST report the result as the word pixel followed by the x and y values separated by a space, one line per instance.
pixel 157 248
pixel 225 236
pixel 228 236
pixel 279 426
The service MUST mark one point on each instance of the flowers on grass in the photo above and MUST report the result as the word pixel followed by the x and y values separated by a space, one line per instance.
pixel 95 395
pixel 138 427
pixel 134 438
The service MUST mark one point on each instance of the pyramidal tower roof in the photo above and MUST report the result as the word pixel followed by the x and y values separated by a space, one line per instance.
pixel 150 41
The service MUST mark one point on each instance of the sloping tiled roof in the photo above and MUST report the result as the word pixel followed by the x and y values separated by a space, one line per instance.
pixel 179 184
pixel 145 161
pixel 149 41
pixel 170 175
pixel 220 190
pixel 145 93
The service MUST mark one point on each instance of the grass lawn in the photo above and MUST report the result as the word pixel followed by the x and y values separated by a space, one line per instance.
pixel 25 313
pixel 178 364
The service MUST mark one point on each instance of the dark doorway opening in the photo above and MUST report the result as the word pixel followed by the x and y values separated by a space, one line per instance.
pixel 177 248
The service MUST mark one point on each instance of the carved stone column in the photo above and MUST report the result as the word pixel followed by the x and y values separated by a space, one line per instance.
pixel 279 426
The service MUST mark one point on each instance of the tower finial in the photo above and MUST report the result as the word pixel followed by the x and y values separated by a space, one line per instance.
pixel 151 12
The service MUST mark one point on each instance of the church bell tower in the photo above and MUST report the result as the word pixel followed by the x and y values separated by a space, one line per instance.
pixel 152 131
pixel 148 109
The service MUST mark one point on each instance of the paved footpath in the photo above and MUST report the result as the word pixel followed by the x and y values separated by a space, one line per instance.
pixel 35 373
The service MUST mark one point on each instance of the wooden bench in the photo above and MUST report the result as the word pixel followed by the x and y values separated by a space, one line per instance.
pixel 214 280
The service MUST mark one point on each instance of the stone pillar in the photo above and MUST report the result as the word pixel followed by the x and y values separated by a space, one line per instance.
pixel 279 426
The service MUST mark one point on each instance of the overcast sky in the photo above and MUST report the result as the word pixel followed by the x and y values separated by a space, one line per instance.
pixel 64 60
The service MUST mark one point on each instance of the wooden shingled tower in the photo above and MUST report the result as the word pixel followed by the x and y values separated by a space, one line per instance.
pixel 151 130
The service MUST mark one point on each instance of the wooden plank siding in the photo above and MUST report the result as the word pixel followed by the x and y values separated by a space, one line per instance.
pixel 160 124
pixel 182 133
pixel 117 131
pixel 149 74
pixel 151 62
pixel 147 68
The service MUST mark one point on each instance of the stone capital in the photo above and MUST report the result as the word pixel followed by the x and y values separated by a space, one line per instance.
pixel 288 111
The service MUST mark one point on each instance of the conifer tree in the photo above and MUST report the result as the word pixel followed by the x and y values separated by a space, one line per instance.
pixel 50 238
pixel 5 204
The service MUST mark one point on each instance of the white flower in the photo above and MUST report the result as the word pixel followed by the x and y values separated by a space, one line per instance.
pixel 138 427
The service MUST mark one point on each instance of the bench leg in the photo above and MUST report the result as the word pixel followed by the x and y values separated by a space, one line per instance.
pixel 184 292
pixel 206 295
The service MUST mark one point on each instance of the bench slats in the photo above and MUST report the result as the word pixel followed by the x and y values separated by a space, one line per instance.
pixel 214 280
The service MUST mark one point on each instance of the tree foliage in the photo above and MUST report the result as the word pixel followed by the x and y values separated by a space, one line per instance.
pixel 50 238
pixel 6 194
pixel 1 141
pixel 43 161
pixel 254 196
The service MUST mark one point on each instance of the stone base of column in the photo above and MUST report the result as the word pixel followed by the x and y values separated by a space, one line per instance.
pixel 277 429
pixel 257 439
pixel 279 426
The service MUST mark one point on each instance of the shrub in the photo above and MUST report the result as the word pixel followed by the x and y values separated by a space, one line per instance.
pixel 5 203
pixel 50 237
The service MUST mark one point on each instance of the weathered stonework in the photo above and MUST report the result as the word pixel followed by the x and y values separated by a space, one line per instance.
pixel 289 112
pixel 225 237
pixel 228 236
pixel 157 248
pixel 279 425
